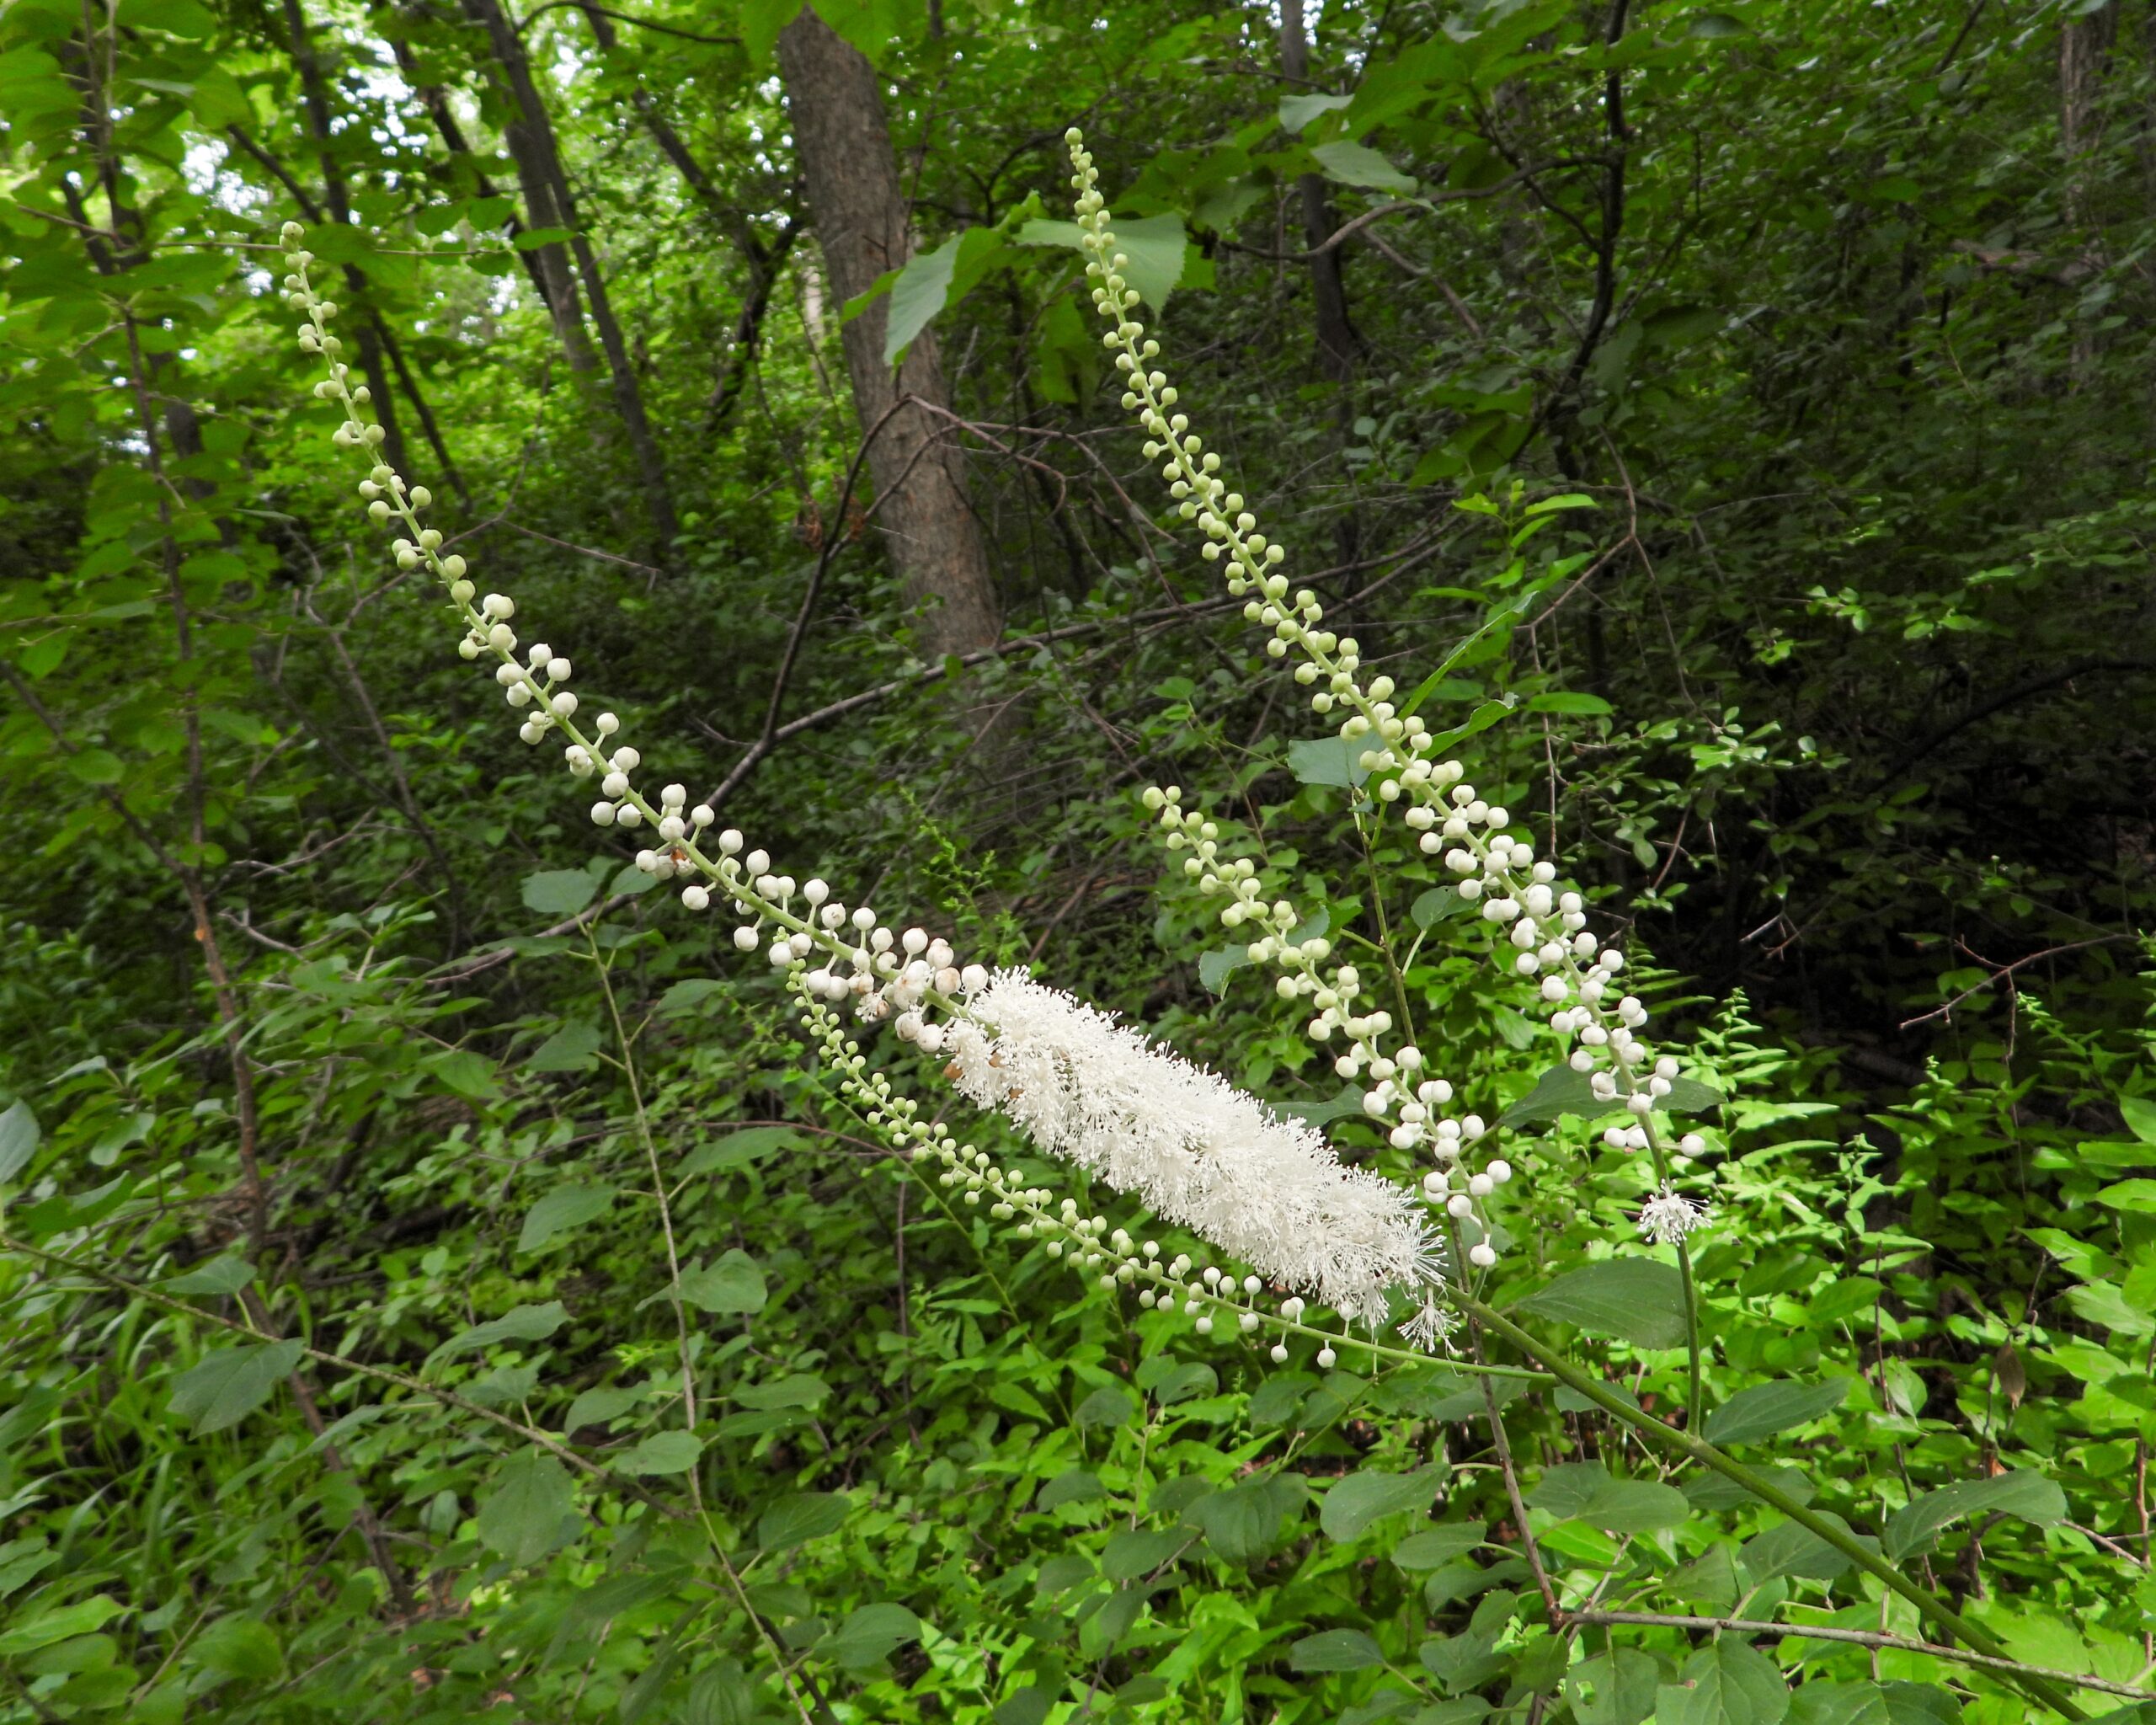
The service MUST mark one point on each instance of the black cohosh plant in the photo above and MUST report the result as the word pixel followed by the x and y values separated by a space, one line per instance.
pixel 1314 1254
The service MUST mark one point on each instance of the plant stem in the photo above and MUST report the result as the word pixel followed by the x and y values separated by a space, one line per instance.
pixel 1695 1449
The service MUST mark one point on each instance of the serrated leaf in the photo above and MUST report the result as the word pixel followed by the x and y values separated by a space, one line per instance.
pixel 1727 1682
pixel 1765 1409
pixel 661 1452
pixel 531 1509
pixel 801 1516
pixel 733 1285
pixel 1156 246
pixel 232 1382
pixel 561 1210
pixel 558 892
pixel 1636 1300
pixel 1359 1498
pixel 18 1139
pixel 2026 1495
pixel 220 1276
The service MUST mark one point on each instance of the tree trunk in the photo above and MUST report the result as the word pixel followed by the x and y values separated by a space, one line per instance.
pixel 539 164
pixel 844 145
pixel 2084 58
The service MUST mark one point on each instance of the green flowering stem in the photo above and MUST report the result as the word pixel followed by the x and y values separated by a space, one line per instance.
pixel 1686 1445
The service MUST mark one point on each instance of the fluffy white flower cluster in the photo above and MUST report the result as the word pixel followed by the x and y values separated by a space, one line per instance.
pixel 1543 928
pixel 1194 1149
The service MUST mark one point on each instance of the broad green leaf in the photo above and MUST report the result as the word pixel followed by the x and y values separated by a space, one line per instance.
pixel 1155 246
pixel 244 1649
pixel 1923 1704
pixel 559 892
pixel 525 1323
pixel 761 21
pixel 469 1074
pixel 796 1389
pixel 1435 1547
pixel 62 1623
pixel 2139 1196
pixel 18 1139
pixel 1359 165
pixel 224 1275
pixel 1111 1405
pixel 562 1209
pixel 1297 112
pixel 661 1452
pixel 1560 1091
pixel 1636 1300
pixel 1789 1549
pixel 531 1510
pixel 689 992
pixel 1585 1491
pixel 2029 1496
pixel 735 1148
pixel 1616 1688
pixel 1137 1551
pixel 1438 904
pixel 1820 1702
pixel 721 1694
pixel 1727 1682
pixel 1359 1500
pixel 574 1047
pixel 2140 1113
pixel 597 1407
pixel 1074 1484
pixel 733 1285
pixel 1765 1409
pixel 801 1516
pixel 1567 701
pixel 1336 1650
pixel 869 1634
pixel 230 1383
pixel 931 280
pixel 1329 761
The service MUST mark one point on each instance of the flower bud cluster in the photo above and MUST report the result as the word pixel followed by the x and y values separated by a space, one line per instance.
pixel 1411 1104
pixel 909 976
pixel 1543 934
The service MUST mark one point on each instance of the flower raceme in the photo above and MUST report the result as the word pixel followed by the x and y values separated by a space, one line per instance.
pixel 1079 1085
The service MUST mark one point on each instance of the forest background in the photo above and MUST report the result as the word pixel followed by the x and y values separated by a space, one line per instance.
pixel 751 346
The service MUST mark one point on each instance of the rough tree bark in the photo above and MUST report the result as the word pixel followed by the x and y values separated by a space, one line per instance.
pixel 539 162
pixel 843 143
pixel 2085 45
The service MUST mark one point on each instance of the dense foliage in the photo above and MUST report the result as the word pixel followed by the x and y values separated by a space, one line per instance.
pixel 440 1279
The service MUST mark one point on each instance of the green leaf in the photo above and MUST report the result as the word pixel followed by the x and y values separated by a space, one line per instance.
pixel 929 281
pixel 597 1407
pixel 1436 1546
pixel 1585 1491
pixel 525 1323
pixel 531 1510
pixel 733 1285
pixel 1562 1090
pixel 736 1148
pixel 1074 1484
pixel 1438 904
pixel 1358 164
pixel 761 21
pixel 1030 1705
pixel 1819 1702
pixel 559 892
pixel 232 1382
pixel 1138 1552
pixel 2140 1113
pixel 2139 1196
pixel 1616 1688
pixel 1297 112
pixel 1787 1549
pixel 689 992
pixel 563 1208
pixel 661 1452
pixel 1713 27
pixel 466 1073
pixel 2026 1495
pixel 245 1649
pixel 1635 1299
pixel 1727 1682
pixel 1215 968
pixel 18 1139
pixel 1360 1498
pixel 1111 1405
pixel 721 1694
pixel 224 1275
pixel 1155 246
pixel 801 1516
pixel 1336 1650
pixel 1768 1409
pixel 869 1634
pixel 1562 702
pixel 1329 761
pixel 1927 1704
pixel 95 766
pixel 62 1623
pixel 574 1047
